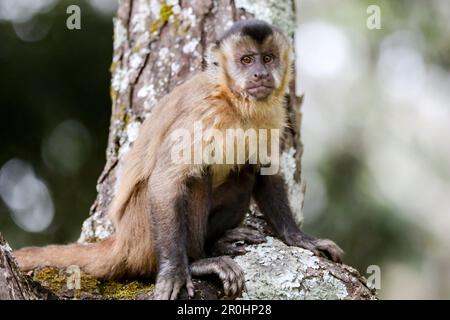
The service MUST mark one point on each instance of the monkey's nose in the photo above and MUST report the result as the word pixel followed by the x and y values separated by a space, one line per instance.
pixel 260 75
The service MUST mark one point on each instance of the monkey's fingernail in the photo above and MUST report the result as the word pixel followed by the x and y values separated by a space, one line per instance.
pixel 191 291
pixel 234 289
pixel 174 294
pixel 226 288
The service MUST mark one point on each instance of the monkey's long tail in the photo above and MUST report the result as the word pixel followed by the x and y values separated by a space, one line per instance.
pixel 93 258
pixel 128 252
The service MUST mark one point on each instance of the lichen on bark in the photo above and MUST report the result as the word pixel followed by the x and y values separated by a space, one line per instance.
pixel 276 271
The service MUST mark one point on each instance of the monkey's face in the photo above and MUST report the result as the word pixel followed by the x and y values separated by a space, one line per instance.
pixel 256 69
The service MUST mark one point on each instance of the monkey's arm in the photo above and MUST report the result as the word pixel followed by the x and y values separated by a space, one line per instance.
pixel 169 227
pixel 270 195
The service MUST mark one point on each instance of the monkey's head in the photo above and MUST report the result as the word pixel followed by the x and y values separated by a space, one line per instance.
pixel 254 59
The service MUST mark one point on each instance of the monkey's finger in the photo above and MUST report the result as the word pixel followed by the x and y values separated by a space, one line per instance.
pixel 255 236
pixel 323 253
pixel 232 265
pixel 335 254
pixel 309 245
pixel 240 281
pixel 225 268
pixel 176 287
pixel 332 250
pixel 222 269
pixel 226 287
pixel 225 248
pixel 246 235
pixel 235 276
pixel 190 288
pixel 233 289
pixel 228 278
pixel 317 252
pixel 241 284
pixel 238 286
pixel 233 250
pixel 166 293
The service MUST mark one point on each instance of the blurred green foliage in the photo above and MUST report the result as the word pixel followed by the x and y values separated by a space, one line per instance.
pixel 64 76
pixel 370 232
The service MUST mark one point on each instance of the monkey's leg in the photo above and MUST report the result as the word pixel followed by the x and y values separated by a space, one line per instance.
pixel 198 211
pixel 270 195
pixel 226 269
pixel 230 203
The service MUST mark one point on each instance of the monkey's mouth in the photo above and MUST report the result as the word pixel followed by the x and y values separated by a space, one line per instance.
pixel 260 91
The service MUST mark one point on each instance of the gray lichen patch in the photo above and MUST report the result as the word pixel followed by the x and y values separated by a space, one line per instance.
pixel 5 247
pixel 128 137
pixel 288 168
pixel 274 270
pixel 96 227
pixel 120 33
pixel 324 287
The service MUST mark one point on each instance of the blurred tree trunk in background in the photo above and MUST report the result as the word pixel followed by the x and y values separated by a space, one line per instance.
pixel 158 45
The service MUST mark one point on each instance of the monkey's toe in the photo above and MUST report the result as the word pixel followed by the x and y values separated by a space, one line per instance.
pixel 168 286
pixel 320 247
pixel 233 241
pixel 226 269
pixel 330 249
pixel 251 236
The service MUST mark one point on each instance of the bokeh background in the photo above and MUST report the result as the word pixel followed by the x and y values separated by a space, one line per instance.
pixel 376 129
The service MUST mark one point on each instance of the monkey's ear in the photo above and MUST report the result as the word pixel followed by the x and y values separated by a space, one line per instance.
pixel 211 56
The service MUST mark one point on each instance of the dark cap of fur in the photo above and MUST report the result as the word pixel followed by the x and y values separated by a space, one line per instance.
pixel 258 30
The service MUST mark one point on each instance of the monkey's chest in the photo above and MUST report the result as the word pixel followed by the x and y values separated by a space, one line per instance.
pixel 228 153
pixel 234 142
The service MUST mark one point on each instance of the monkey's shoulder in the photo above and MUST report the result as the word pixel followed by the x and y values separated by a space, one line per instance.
pixel 196 88
pixel 193 100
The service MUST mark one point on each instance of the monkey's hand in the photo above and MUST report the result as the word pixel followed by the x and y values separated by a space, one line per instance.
pixel 226 269
pixel 233 242
pixel 169 282
pixel 320 247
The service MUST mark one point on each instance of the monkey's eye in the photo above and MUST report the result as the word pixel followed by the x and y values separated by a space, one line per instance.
pixel 268 58
pixel 247 59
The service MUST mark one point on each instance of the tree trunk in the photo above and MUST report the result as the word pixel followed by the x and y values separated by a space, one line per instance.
pixel 158 45
pixel 14 285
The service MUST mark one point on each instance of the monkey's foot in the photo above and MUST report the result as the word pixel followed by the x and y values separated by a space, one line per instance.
pixel 320 247
pixel 226 269
pixel 232 243
pixel 169 283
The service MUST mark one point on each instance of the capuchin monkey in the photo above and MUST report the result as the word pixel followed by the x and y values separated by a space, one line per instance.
pixel 169 216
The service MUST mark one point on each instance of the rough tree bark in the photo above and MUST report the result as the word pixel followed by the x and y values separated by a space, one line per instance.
pixel 159 44
pixel 13 284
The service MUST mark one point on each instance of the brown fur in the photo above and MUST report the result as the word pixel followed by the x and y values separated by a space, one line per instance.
pixel 151 185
